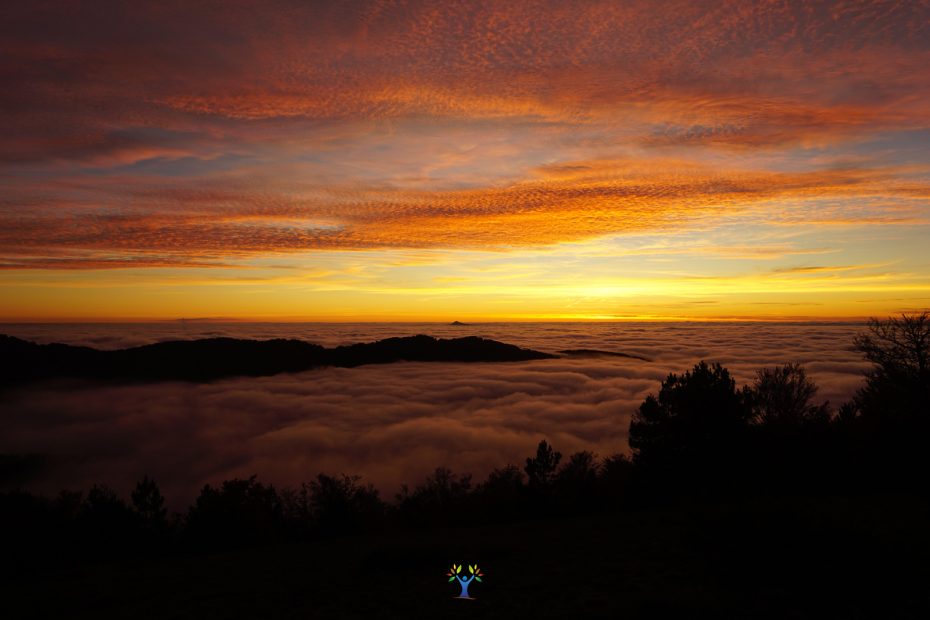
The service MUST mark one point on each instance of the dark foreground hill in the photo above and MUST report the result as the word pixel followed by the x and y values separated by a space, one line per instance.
pixel 214 358
pixel 770 558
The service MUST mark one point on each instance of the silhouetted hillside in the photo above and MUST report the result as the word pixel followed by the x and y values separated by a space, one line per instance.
pixel 429 349
pixel 214 358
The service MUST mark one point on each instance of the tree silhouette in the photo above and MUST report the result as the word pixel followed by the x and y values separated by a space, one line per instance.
pixel 898 345
pixel 782 396
pixel 540 470
pixel 897 387
pixel 699 405
pixel 693 431
pixel 790 442
pixel 889 417
pixel 148 501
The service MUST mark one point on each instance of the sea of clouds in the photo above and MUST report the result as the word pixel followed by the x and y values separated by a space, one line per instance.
pixel 391 424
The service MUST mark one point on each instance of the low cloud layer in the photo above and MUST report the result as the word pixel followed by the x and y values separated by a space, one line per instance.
pixel 392 424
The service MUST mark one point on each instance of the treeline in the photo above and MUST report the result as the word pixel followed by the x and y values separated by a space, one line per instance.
pixel 242 512
pixel 699 437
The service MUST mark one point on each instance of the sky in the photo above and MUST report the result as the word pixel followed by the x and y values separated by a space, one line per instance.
pixel 381 160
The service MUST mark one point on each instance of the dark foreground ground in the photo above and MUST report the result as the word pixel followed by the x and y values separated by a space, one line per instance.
pixel 794 558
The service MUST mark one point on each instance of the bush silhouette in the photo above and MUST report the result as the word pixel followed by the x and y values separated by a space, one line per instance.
pixel 577 481
pixel 441 498
pixel 239 512
pixel 502 495
pixel 615 481
pixel 106 522
pixel 340 504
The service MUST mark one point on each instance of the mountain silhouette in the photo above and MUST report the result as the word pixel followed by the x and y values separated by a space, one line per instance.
pixel 214 358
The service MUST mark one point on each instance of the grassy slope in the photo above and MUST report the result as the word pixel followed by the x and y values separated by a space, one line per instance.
pixel 798 558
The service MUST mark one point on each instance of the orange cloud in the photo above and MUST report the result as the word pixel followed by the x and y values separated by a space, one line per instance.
pixel 564 203
pixel 165 134
pixel 719 72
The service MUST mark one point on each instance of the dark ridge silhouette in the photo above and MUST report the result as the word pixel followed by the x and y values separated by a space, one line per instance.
pixel 600 353
pixel 214 358
pixel 428 349
pixel 458 323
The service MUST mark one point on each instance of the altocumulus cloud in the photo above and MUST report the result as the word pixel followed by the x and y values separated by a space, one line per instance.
pixel 136 133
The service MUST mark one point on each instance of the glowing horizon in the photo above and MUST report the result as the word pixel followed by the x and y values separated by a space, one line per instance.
pixel 391 161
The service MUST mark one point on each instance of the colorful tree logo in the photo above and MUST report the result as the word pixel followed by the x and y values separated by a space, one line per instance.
pixel 455 573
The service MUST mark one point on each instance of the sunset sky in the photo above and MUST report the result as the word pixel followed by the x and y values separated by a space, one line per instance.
pixel 464 160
